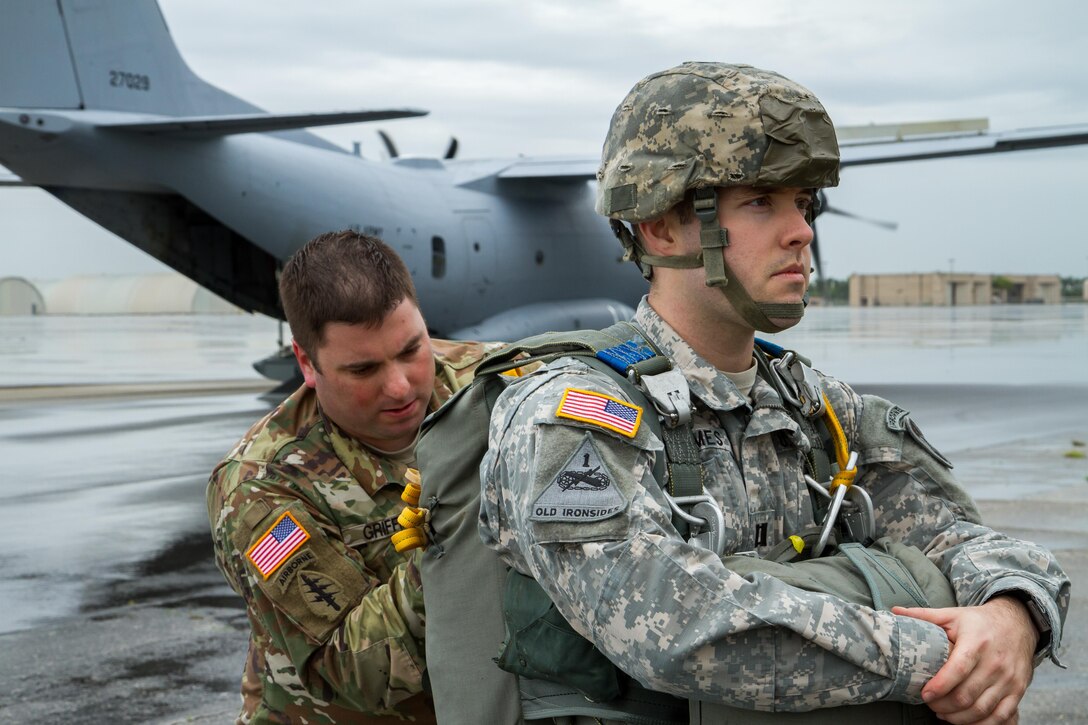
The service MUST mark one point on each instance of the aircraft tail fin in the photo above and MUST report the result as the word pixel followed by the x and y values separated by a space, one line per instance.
pixel 100 55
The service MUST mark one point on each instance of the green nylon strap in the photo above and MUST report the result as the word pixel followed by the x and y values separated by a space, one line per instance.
pixel 790 310
pixel 680 261
pixel 712 238
pixel 819 456
pixel 651 366
pixel 685 466
pixel 548 346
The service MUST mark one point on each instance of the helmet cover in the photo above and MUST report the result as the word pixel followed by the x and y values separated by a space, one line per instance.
pixel 708 125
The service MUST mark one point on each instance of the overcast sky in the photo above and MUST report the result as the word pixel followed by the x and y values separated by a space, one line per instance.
pixel 542 78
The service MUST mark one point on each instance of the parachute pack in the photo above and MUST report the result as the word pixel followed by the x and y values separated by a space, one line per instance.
pixel 497 649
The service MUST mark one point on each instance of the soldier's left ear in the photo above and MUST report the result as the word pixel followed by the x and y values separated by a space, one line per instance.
pixel 661 236
pixel 306 364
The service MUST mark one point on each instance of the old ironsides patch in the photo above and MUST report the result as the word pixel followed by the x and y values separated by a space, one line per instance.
pixel 583 490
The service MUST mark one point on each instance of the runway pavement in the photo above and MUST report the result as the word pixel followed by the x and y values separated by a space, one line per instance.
pixel 112 610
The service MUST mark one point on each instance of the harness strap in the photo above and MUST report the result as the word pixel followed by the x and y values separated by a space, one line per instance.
pixel 819 462
pixel 684 463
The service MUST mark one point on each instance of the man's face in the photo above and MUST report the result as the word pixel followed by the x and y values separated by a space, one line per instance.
pixel 769 240
pixel 374 382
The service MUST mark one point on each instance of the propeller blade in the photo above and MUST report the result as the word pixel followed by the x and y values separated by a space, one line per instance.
pixel 390 147
pixel 892 226
pixel 451 151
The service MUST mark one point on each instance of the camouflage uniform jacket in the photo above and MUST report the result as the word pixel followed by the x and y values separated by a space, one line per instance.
pixel 336 613
pixel 575 505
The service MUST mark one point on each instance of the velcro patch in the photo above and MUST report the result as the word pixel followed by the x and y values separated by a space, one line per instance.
pixel 371 531
pixel 600 410
pixel 322 594
pixel 896 418
pixel 277 544
pixel 583 490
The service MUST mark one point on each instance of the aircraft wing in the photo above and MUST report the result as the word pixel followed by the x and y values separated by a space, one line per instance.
pixel 9 179
pixel 195 126
pixel 889 151
pixel 552 169
pixel 859 152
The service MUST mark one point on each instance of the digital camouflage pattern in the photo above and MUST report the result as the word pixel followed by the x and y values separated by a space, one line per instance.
pixel 338 626
pixel 676 617
pixel 707 125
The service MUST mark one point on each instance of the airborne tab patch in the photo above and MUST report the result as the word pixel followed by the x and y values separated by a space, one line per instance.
pixel 601 410
pixel 583 490
pixel 278 543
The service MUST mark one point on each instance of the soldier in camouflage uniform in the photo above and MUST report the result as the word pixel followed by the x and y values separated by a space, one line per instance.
pixel 716 167
pixel 302 509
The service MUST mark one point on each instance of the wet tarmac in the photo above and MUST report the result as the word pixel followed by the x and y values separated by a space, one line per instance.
pixel 111 609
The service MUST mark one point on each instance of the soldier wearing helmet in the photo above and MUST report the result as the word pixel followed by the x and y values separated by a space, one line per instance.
pixel 719 594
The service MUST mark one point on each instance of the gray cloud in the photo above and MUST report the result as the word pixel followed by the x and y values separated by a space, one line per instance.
pixel 544 77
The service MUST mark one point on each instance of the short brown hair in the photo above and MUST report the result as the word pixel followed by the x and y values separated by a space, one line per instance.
pixel 341 277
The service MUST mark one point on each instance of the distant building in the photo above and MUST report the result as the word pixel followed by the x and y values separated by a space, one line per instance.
pixel 148 294
pixel 950 289
pixel 19 296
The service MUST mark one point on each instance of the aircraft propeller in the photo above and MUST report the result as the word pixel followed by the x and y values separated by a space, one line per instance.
pixel 391 148
pixel 826 208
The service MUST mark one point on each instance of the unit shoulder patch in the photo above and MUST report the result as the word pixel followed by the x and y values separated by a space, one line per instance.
pixel 583 490
pixel 287 572
pixel 322 594
pixel 601 410
pixel 896 418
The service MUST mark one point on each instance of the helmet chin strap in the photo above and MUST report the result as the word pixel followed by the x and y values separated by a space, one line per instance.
pixel 713 239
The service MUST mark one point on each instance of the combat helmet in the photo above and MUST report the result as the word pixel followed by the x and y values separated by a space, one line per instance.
pixel 705 125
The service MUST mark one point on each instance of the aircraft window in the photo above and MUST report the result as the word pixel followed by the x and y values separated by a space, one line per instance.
pixel 539 256
pixel 438 257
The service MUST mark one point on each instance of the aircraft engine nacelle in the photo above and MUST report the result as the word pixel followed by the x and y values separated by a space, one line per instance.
pixel 539 317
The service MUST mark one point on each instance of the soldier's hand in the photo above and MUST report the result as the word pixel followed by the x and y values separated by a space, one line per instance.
pixel 990 665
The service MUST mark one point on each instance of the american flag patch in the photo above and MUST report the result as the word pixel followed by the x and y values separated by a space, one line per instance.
pixel 600 409
pixel 278 543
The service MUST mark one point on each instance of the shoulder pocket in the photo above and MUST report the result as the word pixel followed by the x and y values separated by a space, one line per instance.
pixel 301 572
pixel 888 434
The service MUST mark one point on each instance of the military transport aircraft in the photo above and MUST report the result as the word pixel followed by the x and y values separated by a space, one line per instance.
pixel 98 108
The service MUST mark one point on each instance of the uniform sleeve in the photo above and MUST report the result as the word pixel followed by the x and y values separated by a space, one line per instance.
pixel 671 615
pixel 919 502
pixel 351 638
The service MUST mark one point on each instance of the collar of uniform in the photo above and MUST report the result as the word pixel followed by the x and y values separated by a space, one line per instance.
pixel 373 472
pixel 706 382
pixel 770 415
